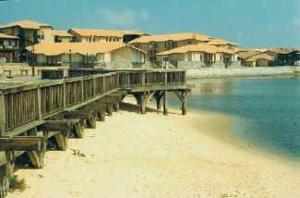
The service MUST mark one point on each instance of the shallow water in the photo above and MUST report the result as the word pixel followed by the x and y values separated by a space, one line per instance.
pixel 265 111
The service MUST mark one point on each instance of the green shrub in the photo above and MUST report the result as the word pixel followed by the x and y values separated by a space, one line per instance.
pixel 16 184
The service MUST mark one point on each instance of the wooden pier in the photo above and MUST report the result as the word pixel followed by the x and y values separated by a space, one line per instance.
pixel 33 113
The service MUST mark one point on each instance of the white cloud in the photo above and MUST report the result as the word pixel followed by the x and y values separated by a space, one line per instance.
pixel 122 17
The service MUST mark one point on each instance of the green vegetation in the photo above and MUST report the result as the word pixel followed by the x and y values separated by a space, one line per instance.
pixel 16 184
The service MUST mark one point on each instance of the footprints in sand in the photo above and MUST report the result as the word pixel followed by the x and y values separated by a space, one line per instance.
pixel 78 153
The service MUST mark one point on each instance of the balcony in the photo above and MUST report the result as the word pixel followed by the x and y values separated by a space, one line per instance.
pixel 9 47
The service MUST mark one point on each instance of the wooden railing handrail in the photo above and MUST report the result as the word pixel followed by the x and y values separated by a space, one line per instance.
pixel 20 105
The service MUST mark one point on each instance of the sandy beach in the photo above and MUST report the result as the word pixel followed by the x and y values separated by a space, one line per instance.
pixel 152 155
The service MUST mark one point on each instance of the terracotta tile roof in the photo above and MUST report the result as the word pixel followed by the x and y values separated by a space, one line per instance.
pixel 54 49
pixel 26 24
pixel 260 56
pixel 252 50
pixel 96 32
pixel 62 33
pixel 210 49
pixel 221 42
pixel 248 54
pixel 6 36
pixel 281 50
pixel 172 37
pixel 104 33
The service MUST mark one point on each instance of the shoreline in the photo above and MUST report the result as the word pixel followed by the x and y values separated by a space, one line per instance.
pixel 228 137
pixel 242 72
pixel 169 156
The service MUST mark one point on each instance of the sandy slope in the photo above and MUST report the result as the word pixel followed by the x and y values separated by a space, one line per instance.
pixel 152 155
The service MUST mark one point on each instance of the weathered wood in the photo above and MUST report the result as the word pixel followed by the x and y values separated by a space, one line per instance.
pixel 116 106
pixel 78 129
pixel 30 104
pixel 102 116
pixel 2 114
pixel 37 158
pixel 88 116
pixel 109 109
pixel 182 95
pixel 63 126
pixel 61 141
pixel 21 144
pixel 5 173
pixel 96 107
pixel 142 103
pixel 110 99
pixel 165 103
pixel 158 95
pixel 142 100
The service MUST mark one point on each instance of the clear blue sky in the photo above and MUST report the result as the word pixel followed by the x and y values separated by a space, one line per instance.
pixel 252 23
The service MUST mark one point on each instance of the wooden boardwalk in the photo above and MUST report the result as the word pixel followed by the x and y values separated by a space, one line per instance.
pixel 33 113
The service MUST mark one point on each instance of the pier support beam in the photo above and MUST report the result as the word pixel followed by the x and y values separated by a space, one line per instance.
pixel 182 95
pixel 165 103
pixel 88 116
pixel 78 128
pixel 142 100
pixel 37 157
pixel 5 172
pixel 113 101
pixel 158 95
pixel 61 130
pixel 99 108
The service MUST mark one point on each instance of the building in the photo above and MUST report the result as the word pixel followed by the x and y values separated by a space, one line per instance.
pixel 29 33
pixel 62 36
pixel 243 55
pixel 9 48
pixel 155 44
pixel 223 44
pixel 285 56
pixel 196 56
pixel 103 36
pixel 270 57
pixel 103 55
pixel 259 60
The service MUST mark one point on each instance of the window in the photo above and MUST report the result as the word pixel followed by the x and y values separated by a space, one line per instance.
pixel 53 60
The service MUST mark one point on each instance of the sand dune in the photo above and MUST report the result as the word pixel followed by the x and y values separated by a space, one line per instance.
pixel 152 155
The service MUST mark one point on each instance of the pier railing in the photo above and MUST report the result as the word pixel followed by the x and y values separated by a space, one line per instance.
pixel 21 105
pixel 134 79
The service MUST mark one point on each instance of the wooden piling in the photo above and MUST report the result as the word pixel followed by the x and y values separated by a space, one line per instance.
pixel 165 103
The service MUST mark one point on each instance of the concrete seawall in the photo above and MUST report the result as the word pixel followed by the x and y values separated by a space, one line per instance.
pixel 242 72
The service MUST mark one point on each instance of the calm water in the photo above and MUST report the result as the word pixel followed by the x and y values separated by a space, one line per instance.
pixel 265 111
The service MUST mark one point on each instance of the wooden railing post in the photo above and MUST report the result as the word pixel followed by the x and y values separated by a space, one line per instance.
pixel 143 78
pixel 82 90
pixel 104 84
pixel 94 86
pixel 39 98
pixel 118 80
pixel 64 94
pixel 2 114
pixel 166 78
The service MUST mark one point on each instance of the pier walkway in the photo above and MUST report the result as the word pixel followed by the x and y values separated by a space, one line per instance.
pixel 42 115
